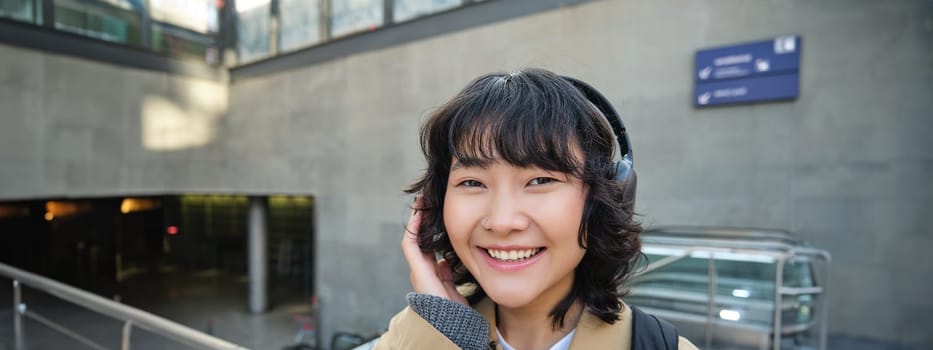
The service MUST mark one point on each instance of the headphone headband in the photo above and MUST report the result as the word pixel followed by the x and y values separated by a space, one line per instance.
pixel 604 106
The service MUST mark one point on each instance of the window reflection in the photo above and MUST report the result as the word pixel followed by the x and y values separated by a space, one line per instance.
pixel 195 15
pixel 180 42
pixel 111 20
pixel 408 9
pixel 252 29
pixel 201 29
pixel 300 23
pixel 185 28
pixel 350 16
pixel 21 10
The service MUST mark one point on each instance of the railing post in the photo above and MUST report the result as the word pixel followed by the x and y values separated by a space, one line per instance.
pixel 17 316
pixel 711 301
pixel 127 327
pixel 778 303
pixel 827 259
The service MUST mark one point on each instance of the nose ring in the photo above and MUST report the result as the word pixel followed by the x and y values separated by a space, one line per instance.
pixel 485 224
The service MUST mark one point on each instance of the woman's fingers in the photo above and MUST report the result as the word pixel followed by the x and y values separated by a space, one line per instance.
pixel 447 279
pixel 428 276
pixel 423 265
pixel 413 253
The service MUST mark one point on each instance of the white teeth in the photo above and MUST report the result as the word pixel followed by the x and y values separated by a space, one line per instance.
pixel 512 255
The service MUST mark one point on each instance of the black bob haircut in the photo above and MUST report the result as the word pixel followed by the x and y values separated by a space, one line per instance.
pixel 534 117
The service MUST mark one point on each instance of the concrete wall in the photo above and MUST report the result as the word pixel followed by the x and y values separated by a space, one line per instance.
pixel 847 165
pixel 72 127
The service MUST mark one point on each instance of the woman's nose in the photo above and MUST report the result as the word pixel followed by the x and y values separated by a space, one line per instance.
pixel 505 214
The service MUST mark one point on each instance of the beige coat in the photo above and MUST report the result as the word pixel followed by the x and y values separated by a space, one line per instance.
pixel 408 330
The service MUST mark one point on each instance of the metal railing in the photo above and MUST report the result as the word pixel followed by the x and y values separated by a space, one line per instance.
pixel 767 248
pixel 130 316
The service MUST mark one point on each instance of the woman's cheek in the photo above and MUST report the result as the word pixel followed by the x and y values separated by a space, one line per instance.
pixel 457 218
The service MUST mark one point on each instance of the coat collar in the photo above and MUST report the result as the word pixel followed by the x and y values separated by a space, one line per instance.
pixel 592 332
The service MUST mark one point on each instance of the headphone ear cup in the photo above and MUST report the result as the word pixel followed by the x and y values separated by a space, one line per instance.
pixel 624 172
pixel 625 175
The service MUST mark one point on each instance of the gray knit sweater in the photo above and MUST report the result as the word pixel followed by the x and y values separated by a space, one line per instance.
pixel 460 323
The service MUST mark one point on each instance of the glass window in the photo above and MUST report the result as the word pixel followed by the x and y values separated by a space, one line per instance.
pixel 350 16
pixel 195 15
pixel 252 29
pixel 180 42
pixel 300 23
pixel 185 28
pixel 21 10
pixel 111 20
pixel 408 9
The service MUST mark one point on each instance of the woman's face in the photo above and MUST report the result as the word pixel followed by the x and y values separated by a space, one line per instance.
pixel 515 229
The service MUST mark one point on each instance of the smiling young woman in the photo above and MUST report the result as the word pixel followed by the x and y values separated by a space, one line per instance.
pixel 522 200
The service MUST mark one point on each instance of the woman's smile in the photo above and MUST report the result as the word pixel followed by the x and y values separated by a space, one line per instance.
pixel 512 259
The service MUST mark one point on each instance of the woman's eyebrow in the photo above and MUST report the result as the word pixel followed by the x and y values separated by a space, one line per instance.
pixel 468 163
pixel 457 165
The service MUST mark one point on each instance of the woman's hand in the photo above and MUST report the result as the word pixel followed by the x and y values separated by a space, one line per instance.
pixel 428 276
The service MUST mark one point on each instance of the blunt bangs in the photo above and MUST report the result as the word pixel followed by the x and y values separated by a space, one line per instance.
pixel 520 121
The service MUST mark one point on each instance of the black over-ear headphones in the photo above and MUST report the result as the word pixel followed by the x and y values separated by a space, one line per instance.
pixel 625 171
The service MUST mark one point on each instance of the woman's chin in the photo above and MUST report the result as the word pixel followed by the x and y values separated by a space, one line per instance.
pixel 510 297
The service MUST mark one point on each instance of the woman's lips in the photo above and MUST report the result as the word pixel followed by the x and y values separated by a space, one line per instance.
pixel 502 258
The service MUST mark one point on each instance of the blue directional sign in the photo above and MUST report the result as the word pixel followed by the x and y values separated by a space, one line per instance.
pixel 759 71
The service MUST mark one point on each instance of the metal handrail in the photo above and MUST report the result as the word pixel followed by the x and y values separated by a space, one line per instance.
pixel 661 263
pixel 131 316
pixel 781 257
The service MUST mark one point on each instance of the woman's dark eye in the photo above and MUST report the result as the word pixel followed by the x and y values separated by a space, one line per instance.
pixel 471 183
pixel 541 181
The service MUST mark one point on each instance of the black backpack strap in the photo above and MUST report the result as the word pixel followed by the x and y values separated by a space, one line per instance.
pixel 652 333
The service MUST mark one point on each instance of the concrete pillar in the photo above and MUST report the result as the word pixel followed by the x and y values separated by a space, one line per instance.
pixel 257 254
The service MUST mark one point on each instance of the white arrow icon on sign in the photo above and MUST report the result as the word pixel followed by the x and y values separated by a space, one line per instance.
pixel 705 72
pixel 762 65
